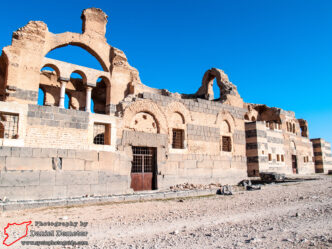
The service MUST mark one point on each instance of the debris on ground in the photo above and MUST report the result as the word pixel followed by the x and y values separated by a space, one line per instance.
pixel 225 190
pixel 191 186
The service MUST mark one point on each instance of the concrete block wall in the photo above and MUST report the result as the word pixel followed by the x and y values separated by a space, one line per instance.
pixel 45 173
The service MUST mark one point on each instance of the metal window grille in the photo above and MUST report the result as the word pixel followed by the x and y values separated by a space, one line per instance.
pixel 178 137
pixel 143 159
pixel 8 125
pixel 99 133
pixel 226 143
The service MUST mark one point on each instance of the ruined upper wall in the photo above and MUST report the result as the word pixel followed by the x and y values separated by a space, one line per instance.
pixel 25 57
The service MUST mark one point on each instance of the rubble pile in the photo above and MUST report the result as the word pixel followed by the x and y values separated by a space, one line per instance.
pixel 191 186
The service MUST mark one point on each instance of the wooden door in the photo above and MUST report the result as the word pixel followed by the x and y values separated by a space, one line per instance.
pixel 143 170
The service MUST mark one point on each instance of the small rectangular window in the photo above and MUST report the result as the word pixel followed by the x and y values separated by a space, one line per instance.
pixel 278 157
pixel 282 158
pixel 178 139
pixel 102 134
pixel 8 125
pixel 226 144
pixel 270 157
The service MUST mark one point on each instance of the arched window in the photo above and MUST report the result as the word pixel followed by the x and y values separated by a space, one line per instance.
pixel 101 96
pixel 49 75
pixel 246 117
pixel 226 136
pixel 177 123
pixel 67 100
pixel 253 119
pixel 76 90
pixel 216 89
pixel 41 96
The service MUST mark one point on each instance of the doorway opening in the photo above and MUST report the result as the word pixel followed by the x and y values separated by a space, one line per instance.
pixel 294 164
pixel 144 169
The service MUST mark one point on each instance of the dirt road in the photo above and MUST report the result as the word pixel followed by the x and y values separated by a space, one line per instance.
pixel 295 215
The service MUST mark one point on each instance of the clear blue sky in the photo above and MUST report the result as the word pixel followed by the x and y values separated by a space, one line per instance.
pixel 277 52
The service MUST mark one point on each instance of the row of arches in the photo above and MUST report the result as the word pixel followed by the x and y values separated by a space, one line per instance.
pixel 73 93
pixel 146 116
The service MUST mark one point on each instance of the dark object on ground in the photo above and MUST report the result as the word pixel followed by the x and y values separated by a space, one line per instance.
pixel 272 176
pixel 225 190
pixel 251 187
pixel 248 185
pixel 245 183
pixel 329 172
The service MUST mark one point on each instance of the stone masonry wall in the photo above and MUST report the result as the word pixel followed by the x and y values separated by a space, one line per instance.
pixel 322 155
pixel 50 126
pixel 44 173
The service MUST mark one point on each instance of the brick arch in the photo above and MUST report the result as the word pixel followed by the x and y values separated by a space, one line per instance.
pixel 179 108
pixel 54 67
pixel 225 115
pixel 75 39
pixel 225 86
pixel 147 106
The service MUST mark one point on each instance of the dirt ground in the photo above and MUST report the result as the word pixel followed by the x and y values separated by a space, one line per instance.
pixel 292 215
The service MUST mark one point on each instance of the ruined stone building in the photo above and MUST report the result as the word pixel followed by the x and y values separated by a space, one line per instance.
pixel 136 137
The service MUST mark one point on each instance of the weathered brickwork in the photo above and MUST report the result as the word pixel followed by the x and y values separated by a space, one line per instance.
pixel 57 117
pixel 322 155
pixel 203 133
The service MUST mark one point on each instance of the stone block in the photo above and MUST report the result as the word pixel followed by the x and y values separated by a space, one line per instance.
pixel 120 187
pixel 38 192
pixel 222 164
pixel 98 189
pixel 188 164
pixel 92 165
pixel 16 151
pixel 122 168
pixel 78 191
pixel 28 163
pixel 49 152
pixel 199 172
pixel 76 177
pixel 2 163
pixel 87 155
pixel 60 192
pixel 205 164
pixel 62 153
pixel 26 152
pixel 47 178
pixel 72 164
pixel 19 178
pixel 5 151
pixel 108 177
pixel 12 193
pixel 71 153
pixel 170 168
